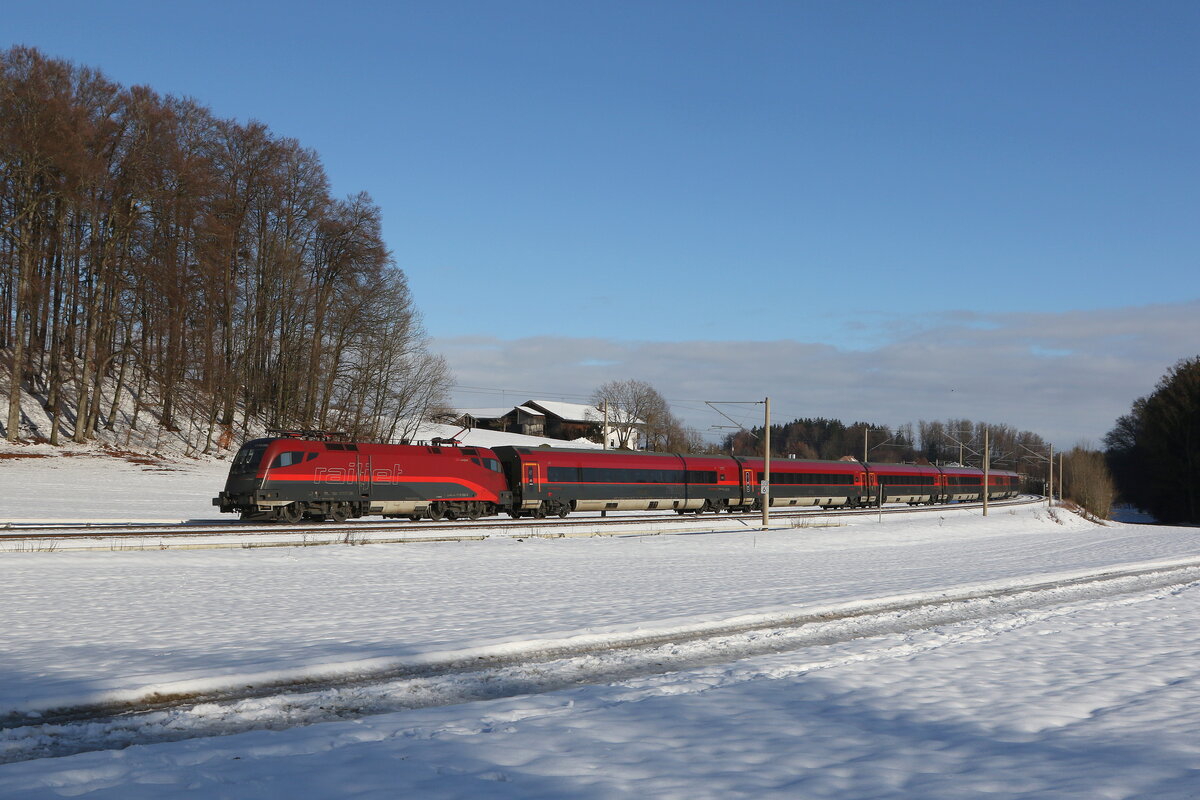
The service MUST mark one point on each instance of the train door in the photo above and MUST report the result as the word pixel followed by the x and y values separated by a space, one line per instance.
pixel 362 479
pixel 531 484
pixel 748 486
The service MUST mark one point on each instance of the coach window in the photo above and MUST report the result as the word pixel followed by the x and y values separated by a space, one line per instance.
pixel 288 459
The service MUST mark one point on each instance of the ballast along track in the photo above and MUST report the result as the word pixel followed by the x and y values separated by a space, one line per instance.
pixel 545 666
pixel 116 536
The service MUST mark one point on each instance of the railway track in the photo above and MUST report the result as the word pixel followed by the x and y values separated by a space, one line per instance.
pixel 106 536
pixel 544 666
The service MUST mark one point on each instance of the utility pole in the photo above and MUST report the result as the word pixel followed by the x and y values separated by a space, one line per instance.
pixel 866 431
pixel 604 436
pixel 765 487
pixel 987 463
pixel 605 424
pixel 766 484
pixel 1050 482
pixel 1048 486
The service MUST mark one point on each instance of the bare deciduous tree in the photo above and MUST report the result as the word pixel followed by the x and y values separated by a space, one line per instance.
pixel 636 409
pixel 1087 481
pixel 200 265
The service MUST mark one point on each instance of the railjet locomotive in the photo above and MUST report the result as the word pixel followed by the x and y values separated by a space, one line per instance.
pixel 307 475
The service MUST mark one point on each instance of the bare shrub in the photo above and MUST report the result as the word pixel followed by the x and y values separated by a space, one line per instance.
pixel 1087 481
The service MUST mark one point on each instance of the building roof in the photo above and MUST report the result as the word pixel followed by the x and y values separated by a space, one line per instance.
pixel 485 413
pixel 570 412
pixel 479 437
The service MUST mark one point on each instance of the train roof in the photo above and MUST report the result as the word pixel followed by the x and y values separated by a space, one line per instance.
pixel 776 463
pixel 588 451
pixel 914 469
pixel 350 444
pixel 780 463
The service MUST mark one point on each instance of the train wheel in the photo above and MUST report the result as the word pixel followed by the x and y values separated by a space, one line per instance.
pixel 291 513
pixel 339 512
pixel 474 511
pixel 436 512
pixel 415 517
pixel 539 513
pixel 563 510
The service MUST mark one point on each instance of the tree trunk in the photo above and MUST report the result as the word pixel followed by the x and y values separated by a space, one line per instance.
pixel 18 350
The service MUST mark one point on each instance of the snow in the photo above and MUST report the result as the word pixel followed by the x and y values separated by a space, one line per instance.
pixel 1091 693
pixel 84 483
pixel 485 413
pixel 40 483
pixel 572 412
pixel 480 437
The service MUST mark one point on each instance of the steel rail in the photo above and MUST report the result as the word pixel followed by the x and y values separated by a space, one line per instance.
pixel 47 531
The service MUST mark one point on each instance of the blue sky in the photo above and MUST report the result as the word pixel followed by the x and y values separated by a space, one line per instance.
pixel 858 179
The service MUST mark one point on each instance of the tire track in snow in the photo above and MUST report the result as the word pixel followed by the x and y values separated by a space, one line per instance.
pixel 534 667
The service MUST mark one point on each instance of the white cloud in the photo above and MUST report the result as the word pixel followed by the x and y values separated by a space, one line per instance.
pixel 1066 376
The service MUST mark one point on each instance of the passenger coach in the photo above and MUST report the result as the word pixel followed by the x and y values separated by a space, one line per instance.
pixel 915 484
pixel 559 480
pixel 829 484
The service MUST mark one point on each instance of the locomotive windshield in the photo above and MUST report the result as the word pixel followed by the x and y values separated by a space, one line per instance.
pixel 248 458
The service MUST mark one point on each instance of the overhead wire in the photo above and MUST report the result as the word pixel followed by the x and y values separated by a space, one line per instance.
pixel 697 406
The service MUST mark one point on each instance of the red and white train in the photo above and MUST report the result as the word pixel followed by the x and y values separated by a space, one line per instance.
pixel 301 475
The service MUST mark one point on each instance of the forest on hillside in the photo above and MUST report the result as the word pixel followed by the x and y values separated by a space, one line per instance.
pixel 953 441
pixel 198 266
pixel 1154 450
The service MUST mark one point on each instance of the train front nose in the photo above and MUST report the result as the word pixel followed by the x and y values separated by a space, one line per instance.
pixel 238 494
pixel 243 480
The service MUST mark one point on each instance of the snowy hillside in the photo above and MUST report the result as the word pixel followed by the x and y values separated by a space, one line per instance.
pixel 939 655
pixel 96 483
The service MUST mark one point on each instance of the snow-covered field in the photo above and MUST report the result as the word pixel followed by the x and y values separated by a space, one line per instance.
pixel 1088 693
pixel 88 484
